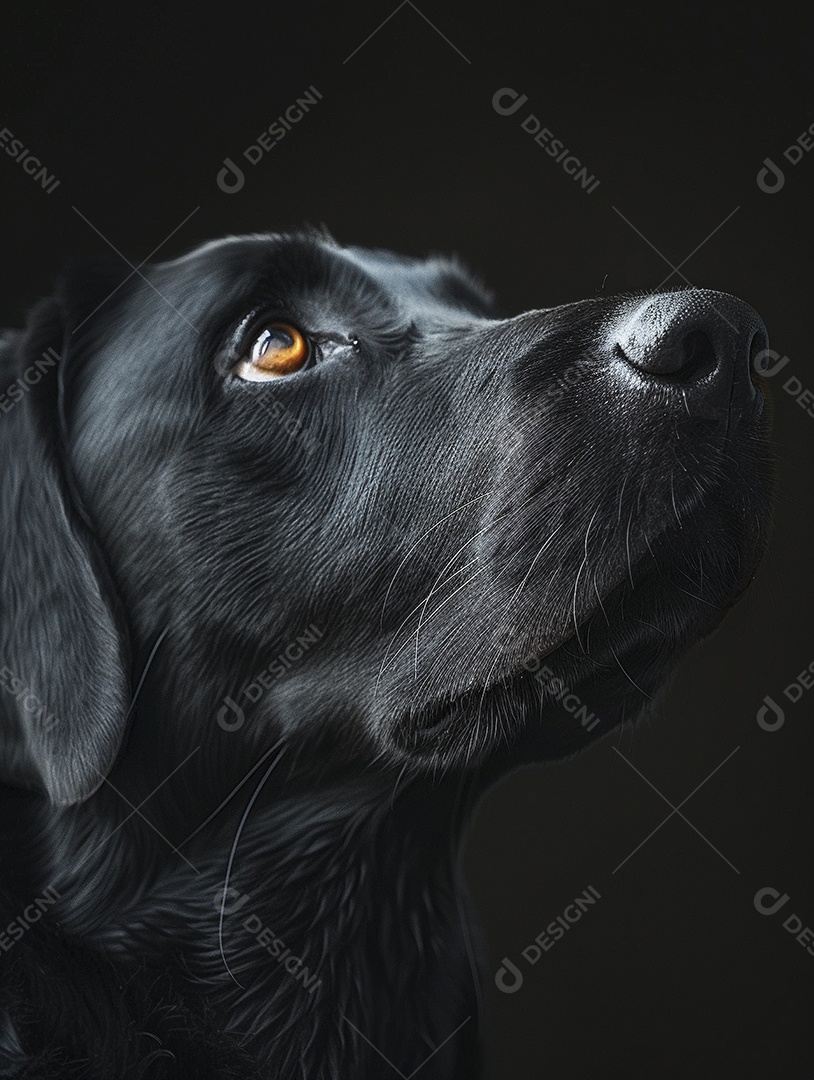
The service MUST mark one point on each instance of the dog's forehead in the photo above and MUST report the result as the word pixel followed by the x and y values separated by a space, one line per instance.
pixel 306 259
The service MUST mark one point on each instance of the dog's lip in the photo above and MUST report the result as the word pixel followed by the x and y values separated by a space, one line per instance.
pixel 429 718
pixel 439 710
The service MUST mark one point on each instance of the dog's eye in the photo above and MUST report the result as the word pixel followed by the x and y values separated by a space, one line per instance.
pixel 279 349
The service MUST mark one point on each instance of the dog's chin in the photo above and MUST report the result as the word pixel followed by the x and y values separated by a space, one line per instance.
pixel 468 726
pixel 615 657
pixel 488 725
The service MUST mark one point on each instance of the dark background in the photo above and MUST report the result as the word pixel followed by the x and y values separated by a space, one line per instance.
pixel 673 972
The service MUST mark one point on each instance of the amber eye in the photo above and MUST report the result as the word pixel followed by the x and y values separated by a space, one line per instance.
pixel 279 349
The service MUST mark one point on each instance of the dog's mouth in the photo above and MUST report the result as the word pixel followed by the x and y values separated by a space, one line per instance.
pixel 630 636
pixel 488 711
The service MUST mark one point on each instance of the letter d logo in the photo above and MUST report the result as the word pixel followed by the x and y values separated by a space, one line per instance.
pixel 763 367
pixel 516 977
pixel 230 715
pixel 230 178
pixel 771 894
pixel 770 716
pixel 517 101
pixel 770 179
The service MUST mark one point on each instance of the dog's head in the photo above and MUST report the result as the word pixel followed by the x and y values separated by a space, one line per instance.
pixel 359 510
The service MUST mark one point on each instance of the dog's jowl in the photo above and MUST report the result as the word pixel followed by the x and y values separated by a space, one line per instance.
pixel 290 531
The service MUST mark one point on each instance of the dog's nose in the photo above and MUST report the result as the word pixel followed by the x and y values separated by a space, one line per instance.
pixel 698 338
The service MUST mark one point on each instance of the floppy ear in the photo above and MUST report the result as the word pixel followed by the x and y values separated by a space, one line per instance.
pixel 63 649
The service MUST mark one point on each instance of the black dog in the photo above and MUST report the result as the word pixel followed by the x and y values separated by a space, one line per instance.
pixel 302 547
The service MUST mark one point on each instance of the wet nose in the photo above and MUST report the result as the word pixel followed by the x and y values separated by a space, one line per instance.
pixel 698 339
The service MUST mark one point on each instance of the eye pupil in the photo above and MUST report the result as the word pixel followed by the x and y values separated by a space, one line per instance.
pixel 280 349
pixel 269 339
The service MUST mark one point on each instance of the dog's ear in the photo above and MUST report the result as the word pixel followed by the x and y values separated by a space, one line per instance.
pixel 63 647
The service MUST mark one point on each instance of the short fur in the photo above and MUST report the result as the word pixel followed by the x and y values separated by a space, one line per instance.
pixel 265 644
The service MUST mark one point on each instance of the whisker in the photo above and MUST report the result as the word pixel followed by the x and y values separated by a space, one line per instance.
pixel 584 563
pixel 443 603
pixel 436 587
pixel 233 852
pixel 542 550
pixel 420 540
pixel 628 677
pixel 404 622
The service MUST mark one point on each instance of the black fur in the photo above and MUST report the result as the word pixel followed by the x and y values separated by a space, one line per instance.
pixel 396 536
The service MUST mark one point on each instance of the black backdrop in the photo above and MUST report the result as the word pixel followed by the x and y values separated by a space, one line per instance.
pixel 673 972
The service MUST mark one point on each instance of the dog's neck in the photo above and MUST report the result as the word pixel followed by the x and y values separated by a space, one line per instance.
pixel 332 909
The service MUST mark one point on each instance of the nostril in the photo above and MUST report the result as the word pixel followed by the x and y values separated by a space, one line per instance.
pixel 620 354
pixel 700 340
pixel 697 357
pixel 686 357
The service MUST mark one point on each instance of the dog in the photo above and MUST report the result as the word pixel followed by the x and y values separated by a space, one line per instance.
pixel 304 546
